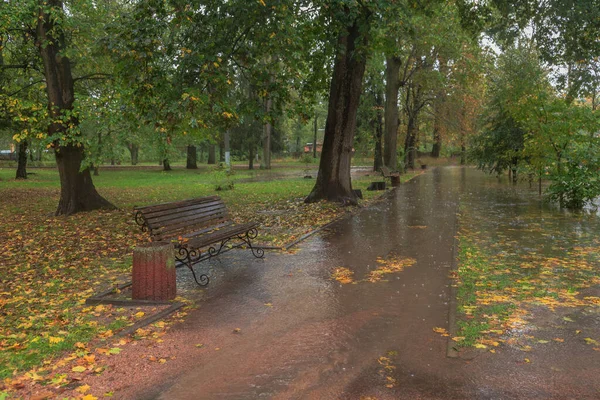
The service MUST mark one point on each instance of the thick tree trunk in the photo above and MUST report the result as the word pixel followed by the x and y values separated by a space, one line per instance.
pixel 77 190
pixel 133 152
pixel 333 180
pixel 212 154
pixel 22 161
pixel 192 158
pixel 392 86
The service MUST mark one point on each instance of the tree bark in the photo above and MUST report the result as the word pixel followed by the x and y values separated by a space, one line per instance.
pixel 192 157
pixel 267 130
pixel 333 180
pixel 133 152
pixel 77 190
pixel 410 145
pixel 22 161
pixel 251 157
pixel 212 154
pixel 392 86
pixel 314 139
pixel 221 151
pixel 378 122
pixel 166 165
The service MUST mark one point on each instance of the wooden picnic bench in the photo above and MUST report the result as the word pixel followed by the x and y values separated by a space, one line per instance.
pixel 198 228
pixel 393 175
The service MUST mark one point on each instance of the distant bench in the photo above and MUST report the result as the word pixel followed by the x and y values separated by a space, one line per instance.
pixel 193 225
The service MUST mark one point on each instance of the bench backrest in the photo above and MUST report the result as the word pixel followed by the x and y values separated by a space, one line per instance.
pixel 170 220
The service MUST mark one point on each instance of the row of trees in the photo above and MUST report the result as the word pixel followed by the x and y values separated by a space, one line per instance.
pixel 540 116
pixel 79 75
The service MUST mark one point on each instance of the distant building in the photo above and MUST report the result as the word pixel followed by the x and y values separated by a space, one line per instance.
pixel 308 148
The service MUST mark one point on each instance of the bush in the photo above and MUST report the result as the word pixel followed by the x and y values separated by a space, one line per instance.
pixel 577 181
pixel 222 177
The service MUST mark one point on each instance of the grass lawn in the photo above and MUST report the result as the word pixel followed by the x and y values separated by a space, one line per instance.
pixel 50 265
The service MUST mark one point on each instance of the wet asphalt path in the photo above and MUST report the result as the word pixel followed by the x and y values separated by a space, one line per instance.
pixel 303 335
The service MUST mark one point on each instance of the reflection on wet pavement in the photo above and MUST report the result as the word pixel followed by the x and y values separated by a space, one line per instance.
pixel 304 335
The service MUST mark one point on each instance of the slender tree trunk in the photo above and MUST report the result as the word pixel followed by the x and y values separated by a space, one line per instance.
pixel 77 190
pixel 212 156
pixel 22 160
pixel 221 151
pixel 410 145
pixel 315 137
pixel 378 122
pixel 392 86
pixel 438 110
pixel 192 157
pixel 333 180
pixel 166 165
pixel 267 131
pixel 251 157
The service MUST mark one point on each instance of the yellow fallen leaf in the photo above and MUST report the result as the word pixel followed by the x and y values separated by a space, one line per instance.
pixel 55 340
pixel 559 340
pixel 458 338
pixel 139 314
pixel 480 346
pixel 83 388
pixel 527 360
pixel 89 397
pixel 79 368
pixel 590 341
pixel 162 361
pixel 441 331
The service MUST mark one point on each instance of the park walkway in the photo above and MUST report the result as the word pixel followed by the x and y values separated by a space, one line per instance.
pixel 281 328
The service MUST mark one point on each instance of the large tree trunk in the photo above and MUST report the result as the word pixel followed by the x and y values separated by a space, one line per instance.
pixel 77 190
pixel 192 157
pixel 392 86
pixel 333 180
pixel 22 161
pixel 212 154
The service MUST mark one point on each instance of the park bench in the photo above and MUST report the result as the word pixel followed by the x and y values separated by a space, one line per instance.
pixel 198 228
pixel 393 175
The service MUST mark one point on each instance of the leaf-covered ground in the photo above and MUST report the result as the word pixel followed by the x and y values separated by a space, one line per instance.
pixel 522 266
pixel 50 265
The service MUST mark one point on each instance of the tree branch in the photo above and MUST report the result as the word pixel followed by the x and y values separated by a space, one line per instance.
pixel 94 76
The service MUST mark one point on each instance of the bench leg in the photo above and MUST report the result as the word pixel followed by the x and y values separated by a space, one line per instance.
pixel 247 238
pixel 187 257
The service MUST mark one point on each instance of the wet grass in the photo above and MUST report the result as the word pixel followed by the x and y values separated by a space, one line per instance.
pixel 513 260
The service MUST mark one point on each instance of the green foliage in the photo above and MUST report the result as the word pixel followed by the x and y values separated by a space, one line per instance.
pixel 223 178
pixel 578 179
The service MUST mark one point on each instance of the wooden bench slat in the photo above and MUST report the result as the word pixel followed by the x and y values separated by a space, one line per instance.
pixel 181 230
pixel 191 223
pixel 220 235
pixel 167 218
pixel 188 207
pixel 171 205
